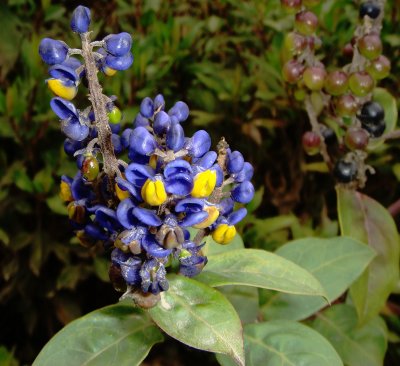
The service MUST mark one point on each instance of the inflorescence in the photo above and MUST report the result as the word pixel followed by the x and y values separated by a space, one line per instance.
pixel 139 190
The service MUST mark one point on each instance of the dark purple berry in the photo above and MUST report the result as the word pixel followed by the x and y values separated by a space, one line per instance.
pixel 375 129
pixel 371 9
pixel 344 171
pixel 371 112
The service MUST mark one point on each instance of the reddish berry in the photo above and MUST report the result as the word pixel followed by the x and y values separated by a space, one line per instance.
pixel 379 68
pixel 356 138
pixel 311 143
pixel 370 46
pixel 292 6
pixel 292 71
pixel 90 168
pixel 346 106
pixel 314 77
pixel 306 22
pixel 295 43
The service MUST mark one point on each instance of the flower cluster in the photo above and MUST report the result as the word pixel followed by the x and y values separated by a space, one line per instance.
pixel 140 189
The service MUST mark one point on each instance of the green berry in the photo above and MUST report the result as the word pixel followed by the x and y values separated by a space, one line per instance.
pixel 294 43
pixel 90 168
pixel 370 46
pixel 115 115
pixel 291 6
pixel 336 83
pixel 356 138
pixel 361 83
pixel 379 68
pixel 314 77
pixel 306 22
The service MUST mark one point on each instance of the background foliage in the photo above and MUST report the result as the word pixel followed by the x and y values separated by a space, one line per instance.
pixel 223 58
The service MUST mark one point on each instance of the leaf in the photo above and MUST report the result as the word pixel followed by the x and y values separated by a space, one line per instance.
pixel 259 268
pixel 286 343
pixel 4 238
pixel 357 346
pixel 200 317
pixel 335 262
pixel 213 247
pixel 7 358
pixel 114 335
pixel 366 220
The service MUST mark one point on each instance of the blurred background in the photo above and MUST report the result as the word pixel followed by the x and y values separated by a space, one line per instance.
pixel 223 58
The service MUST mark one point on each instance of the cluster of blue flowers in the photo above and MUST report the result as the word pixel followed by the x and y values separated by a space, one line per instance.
pixel 169 184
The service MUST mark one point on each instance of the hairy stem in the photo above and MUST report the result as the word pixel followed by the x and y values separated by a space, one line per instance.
pixel 99 108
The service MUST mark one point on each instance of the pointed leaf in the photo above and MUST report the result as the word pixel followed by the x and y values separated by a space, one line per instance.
pixel 200 317
pixel 114 335
pixel 286 343
pixel 259 268
pixel 366 220
pixel 357 346
pixel 335 262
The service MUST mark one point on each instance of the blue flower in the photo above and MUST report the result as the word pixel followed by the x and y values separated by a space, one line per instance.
pixel 80 19
pixel 118 44
pixel 53 52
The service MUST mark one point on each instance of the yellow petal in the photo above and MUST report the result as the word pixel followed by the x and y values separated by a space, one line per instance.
pixel 213 214
pixel 204 183
pixel 121 194
pixel 59 89
pixel 154 193
pixel 65 192
pixel 224 233
pixel 109 71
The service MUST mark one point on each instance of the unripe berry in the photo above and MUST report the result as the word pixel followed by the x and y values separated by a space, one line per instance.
pixel 336 83
pixel 90 168
pixel 291 6
pixel 306 22
pixel 311 143
pixel 361 83
pixel 346 106
pixel 344 171
pixel 114 116
pixel 292 71
pixel 295 43
pixel 370 46
pixel 371 9
pixel 356 138
pixel 348 50
pixel 379 68
pixel 314 77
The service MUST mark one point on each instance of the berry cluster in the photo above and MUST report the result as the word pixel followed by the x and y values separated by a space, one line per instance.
pixel 139 190
pixel 343 96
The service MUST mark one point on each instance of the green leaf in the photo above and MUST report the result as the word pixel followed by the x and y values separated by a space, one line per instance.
pixel 286 343
pixel 4 238
pixel 357 346
pixel 114 335
pixel 366 220
pixel 259 268
pixel 200 317
pixel 213 247
pixel 335 262
pixel 389 104
pixel 22 181
pixel 7 358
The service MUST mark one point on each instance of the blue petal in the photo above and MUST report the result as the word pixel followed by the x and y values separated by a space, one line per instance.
pixel 226 206
pixel 63 108
pixel 175 137
pixel 63 72
pixel 220 175
pixel 125 137
pixel 80 19
pixel 137 174
pixel 190 205
pixel 71 146
pixel 107 218
pixel 116 141
pixel 74 130
pixel 180 110
pixel 154 249
pixel 180 184
pixel 95 232
pixel 194 218
pixel 115 128
pixel 119 257
pixel 199 144
pixel 142 141
pixel 162 122
pixel 140 121
pixel 245 174
pixel 118 44
pixel 147 217
pixel 243 193
pixel 147 107
pixel 130 271
pixel 237 216
pixel 159 102
pixel 78 189
pixel 124 213
pixel 235 162
pixel 176 167
pixel 72 62
pixel 119 63
pixel 52 52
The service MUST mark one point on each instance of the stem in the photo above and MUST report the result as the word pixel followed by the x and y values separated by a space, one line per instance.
pixel 312 116
pixel 99 108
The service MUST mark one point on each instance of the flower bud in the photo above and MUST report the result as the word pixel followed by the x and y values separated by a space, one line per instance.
pixel 80 19
pixel 243 193
pixel 118 44
pixel 180 110
pixel 175 137
pixel 119 63
pixel 52 52
pixel 204 184
pixel 224 234
pixel 142 141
